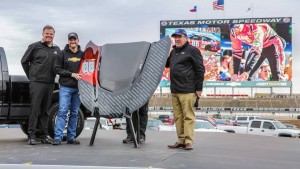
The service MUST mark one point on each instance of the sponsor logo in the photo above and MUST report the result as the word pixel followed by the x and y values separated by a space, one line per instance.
pixel 74 59
pixel 55 52
pixel 164 23
pixel 286 20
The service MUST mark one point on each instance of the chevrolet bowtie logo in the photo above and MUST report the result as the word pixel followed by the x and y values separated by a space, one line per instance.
pixel 74 59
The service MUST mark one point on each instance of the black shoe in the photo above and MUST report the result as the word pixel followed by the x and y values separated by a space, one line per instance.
pixel 73 142
pixel 45 141
pixel 64 138
pixel 56 142
pixel 142 139
pixel 31 141
pixel 128 139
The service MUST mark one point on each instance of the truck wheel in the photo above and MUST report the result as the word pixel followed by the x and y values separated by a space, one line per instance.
pixel 230 131
pixel 24 127
pixel 52 120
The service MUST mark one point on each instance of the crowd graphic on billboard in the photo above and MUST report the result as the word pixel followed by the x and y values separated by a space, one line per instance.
pixel 240 52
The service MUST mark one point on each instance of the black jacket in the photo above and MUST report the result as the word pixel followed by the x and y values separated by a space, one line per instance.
pixel 38 61
pixel 66 64
pixel 186 69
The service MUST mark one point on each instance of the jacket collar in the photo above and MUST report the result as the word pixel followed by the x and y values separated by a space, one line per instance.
pixel 69 50
pixel 45 43
pixel 182 47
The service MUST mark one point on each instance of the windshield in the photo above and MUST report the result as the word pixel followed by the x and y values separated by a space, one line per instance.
pixel 203 125
pixel 279 125
pixel 154 123
pixel 103 121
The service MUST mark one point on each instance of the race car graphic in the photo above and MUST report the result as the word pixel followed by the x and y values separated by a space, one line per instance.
pixel 203 42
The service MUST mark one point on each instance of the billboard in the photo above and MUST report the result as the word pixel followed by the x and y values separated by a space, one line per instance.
pixel 249 52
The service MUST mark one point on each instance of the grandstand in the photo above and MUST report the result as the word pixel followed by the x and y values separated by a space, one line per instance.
pixel 274 103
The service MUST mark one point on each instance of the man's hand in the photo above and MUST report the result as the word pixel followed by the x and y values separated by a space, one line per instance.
pixel 198 93
pixel 76 76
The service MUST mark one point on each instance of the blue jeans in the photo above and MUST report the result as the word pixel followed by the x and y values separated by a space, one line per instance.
pixel 68 98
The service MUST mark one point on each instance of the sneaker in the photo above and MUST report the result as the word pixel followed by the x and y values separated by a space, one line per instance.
pixel 56 142
pixel 128 139
pixel 142 139
pixel 45 141
pixel 31 141
pixel 73 141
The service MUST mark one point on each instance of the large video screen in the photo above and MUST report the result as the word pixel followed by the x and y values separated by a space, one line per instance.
pixel 254 52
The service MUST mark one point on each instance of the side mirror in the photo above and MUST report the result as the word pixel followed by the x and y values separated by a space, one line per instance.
pixel 272 127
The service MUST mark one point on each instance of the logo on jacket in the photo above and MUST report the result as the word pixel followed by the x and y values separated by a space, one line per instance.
pixel 182 53
pixel 55 52
pixel 74 59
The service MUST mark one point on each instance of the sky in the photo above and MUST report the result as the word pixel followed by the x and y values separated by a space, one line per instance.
pixel 118 21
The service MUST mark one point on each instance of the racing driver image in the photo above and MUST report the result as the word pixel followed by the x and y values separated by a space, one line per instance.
pixel 265 44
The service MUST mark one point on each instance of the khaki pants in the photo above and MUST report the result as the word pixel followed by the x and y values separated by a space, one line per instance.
pixel 183 104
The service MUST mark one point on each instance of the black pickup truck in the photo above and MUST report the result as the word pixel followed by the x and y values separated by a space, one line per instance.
pixel 15 100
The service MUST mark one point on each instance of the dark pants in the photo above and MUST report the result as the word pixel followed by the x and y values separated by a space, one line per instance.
pixel 41 98
pixel 271 55
pixel 143 112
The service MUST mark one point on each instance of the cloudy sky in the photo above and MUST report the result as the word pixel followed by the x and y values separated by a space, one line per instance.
pixel 115 21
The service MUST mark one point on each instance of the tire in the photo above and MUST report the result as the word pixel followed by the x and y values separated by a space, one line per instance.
pixel 230 131
pixel 24 127
pixel 52 118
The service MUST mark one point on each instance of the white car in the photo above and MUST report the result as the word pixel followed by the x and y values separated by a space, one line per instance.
pixel 104 123
pixel 242 120
pixel 263 127
pixel 200 126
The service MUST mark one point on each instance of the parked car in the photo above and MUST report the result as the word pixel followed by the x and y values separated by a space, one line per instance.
pixel 153 124
pixel 200 126
pixel 104 123
pixel 169 121
pixel 264 127
pixel 219 116
pixel 290 126
pixel 242 120
pixel 162 117
pixel 207 118
pixel 116 122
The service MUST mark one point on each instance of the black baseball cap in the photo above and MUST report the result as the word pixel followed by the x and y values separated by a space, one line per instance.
pixel 73 35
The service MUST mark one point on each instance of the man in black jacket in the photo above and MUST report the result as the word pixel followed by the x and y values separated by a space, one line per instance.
pixel 143 114
pixel 37 63
pixel 187 74
pixel 67 67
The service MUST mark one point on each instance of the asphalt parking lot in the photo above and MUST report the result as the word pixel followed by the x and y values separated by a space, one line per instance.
pixel 211 151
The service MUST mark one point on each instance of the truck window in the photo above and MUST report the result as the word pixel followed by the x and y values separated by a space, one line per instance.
pixel 233 118
pixel 251 118
pixel 268 125
pixel 255 124
pixel 242 118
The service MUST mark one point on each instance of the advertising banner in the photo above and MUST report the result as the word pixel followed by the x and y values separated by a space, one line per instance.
pixel 249 52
